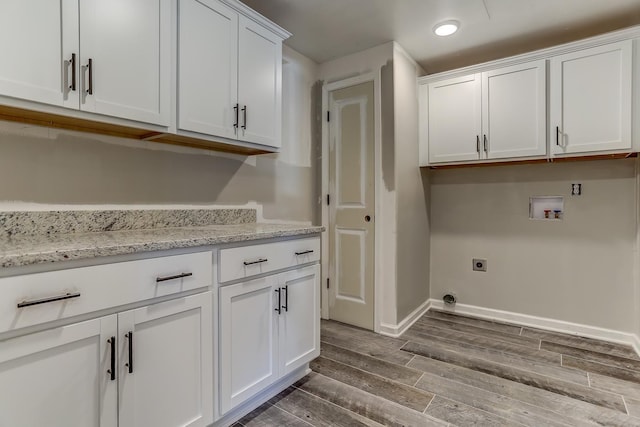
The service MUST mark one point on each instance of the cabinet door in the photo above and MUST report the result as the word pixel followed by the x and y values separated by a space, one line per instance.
pixel 514 113
pixel 299 333
pixel 37 39
pixel 248 336
pixel 454 119
pixel 168 380
pixel 590 106
pixel 59 377
pixel 259 84
pixel 128 44
pixel 208 68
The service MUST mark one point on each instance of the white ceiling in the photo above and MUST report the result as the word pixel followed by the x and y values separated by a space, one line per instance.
pixel 490 29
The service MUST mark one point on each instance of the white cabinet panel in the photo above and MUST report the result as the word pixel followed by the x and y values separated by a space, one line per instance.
pixel 514 111
pixel 590 107
pixel 169 383
pixel 455 119
pixel 37 40
pixel 59 377
pixel 208 68
pixel 259 83
pixel 248 346
pixel 300 322
pixel 128 44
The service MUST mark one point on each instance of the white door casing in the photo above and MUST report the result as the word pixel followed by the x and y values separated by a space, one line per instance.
pixel 351 211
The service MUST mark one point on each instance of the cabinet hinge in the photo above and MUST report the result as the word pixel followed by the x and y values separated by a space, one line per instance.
pixel 327 283
pixel 328 116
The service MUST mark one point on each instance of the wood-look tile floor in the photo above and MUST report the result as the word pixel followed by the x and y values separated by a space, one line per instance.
pixel 453 370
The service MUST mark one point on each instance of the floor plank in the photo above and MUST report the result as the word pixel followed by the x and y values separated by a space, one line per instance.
pixel 601 368
pixel 366 404
pixel 473 321
pixel 565 388
pixel 460 414
pixel 595 356
pixel 614 385
pixel 633 406
pixel 269 416
pixel 399 393
pixel 369 364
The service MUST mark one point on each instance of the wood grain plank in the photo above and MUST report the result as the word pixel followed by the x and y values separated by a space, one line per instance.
pixel 584 413
pixel 525 363
pixel 319 412
pixel 633 406
pixel 512 373
pixel 427 322
pixel 365 404
pixel 595 356
pixel 382 387
pixel 341 330
pixel 601 368
pixel 268 415
pixel 460 414
pixel 370 364
pixel 474 321
pixel 582 342
pixel 484 342
pixel 614 385
pixel 394 356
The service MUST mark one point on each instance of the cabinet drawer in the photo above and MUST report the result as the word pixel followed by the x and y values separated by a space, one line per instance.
pixel 38 298
pixel 247 261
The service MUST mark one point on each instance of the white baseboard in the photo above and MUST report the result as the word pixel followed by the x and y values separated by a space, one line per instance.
pixel 541 323
pixel 399 329
pixel 242 410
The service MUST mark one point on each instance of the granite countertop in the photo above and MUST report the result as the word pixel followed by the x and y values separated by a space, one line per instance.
pixel 21 249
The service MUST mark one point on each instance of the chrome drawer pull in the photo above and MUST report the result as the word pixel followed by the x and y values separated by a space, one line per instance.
pixel 177 276
pixel 310 251
pixel 50 299
pixel 258 261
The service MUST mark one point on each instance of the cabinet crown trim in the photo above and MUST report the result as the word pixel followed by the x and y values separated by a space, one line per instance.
pixel 259 19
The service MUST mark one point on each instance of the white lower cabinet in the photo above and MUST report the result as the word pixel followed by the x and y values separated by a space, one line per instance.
pixel 151 366
pixel 60 377
pixel 269 327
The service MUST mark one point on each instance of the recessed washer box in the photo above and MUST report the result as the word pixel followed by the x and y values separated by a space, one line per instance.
pixel 546 208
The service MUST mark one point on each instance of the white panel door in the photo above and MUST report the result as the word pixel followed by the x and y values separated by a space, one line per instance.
pixel 299 334
pixel 59 378
pixel 590 105
pixel 248 340
pixel 259 84
pixel 208 68
pixel 514 112
pixel 125 58
pixel 166 364
pixel 352 207
pixel 455 119
pixel 37 41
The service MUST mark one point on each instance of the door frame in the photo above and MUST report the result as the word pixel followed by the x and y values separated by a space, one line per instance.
pixel 377 162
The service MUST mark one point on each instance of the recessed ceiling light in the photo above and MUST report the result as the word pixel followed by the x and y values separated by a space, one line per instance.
pixel 446 28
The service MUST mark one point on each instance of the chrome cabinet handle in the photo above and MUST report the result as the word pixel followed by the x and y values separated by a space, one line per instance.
pixel 68 295
pixel 72 62
pixel 258 261
pixel 112 370
pixel 129 336
pixel 177 276
pixel 310 251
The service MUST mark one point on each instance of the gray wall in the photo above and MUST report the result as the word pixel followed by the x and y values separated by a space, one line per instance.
pixel 412 193
pixel 580 270
pixel 52 167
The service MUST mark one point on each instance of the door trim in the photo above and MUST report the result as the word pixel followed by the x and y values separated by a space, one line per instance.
pixel 377 162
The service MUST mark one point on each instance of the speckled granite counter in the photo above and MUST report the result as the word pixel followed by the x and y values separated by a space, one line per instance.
pixel 19 248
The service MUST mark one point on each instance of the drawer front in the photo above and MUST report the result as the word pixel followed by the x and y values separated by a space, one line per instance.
pixel 247 261
pixel 43 297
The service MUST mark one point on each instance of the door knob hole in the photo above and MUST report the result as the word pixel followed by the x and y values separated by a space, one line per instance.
pixel 367 218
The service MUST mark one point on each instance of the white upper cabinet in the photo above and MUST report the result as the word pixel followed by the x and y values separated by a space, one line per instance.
pixel 514 111
pixel 454 117
pixel 259 84
pixel 230 72
pixel 590 108
pixel 125 58
pixel 38 40
pixel 208 74
pixel 491 115
pixel 107 57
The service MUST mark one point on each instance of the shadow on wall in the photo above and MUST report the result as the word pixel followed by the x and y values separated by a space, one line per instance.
pixel 40 165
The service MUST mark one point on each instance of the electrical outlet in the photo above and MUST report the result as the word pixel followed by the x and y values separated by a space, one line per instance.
pixel 479 264
pixel 576 189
